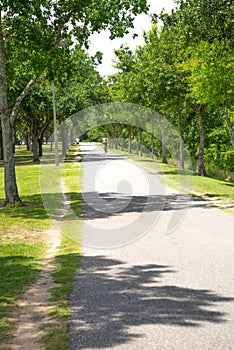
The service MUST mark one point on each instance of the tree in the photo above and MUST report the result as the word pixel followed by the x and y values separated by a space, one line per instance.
pixel 37 114
pixel 11 189
pixel 151 76
pixel 206 33
pixel 207 26
pixel 78 85
pixel 34 30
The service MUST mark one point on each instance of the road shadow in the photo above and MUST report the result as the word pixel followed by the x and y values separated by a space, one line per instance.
pixel 96 157
pixel 102 205
pixel 96 205
pixel 108 297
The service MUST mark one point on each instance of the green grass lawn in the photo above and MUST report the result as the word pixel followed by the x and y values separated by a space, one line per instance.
pixel 23 245
pixel 185 180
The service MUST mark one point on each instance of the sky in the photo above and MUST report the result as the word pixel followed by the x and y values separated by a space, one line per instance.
pixel 101 41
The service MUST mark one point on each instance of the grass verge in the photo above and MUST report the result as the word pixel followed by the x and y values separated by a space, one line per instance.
pixel 66 261
pixel 207 187
pixel 22 245
pixel 23 248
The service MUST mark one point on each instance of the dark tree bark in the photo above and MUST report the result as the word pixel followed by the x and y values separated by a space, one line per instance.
pixel 35 138
pixel 27 141
pixel 11 190
pixel 37 131
pixel 34 135
pixel 1 145
pixel 40 146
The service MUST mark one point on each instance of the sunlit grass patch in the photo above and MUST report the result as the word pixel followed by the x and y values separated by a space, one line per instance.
pixel 23 243
pixel 185 180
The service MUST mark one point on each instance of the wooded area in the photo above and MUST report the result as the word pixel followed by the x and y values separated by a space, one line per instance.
pixel 184 72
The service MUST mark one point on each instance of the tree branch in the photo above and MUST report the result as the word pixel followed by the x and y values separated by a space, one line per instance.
pixel 30 84
pixel 23 94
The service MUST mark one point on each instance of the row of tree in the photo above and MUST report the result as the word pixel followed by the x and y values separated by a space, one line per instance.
pixel 36 38
pixel 185 71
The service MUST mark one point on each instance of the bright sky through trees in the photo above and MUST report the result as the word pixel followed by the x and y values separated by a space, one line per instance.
pixel 101 42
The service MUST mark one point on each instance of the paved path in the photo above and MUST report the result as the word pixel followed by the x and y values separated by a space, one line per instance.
pixel 163 291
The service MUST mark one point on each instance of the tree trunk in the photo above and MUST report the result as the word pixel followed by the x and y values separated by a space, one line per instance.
pixel 181 142
pixel 137 141
pixel 36 158
pixel 27 141
pixel 40 146
pixel 141 145
pixel 181 153
pixel 116 143
pixel 164 148
pixel 63 129
pixel 201 160
pixel 10 185
pixel 130 140
pixel 122 144
pixel 13 138
pixel 1 144
pixel 152 138
pixel 71 137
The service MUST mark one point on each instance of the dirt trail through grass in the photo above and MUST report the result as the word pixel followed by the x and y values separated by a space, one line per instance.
pixel 33 307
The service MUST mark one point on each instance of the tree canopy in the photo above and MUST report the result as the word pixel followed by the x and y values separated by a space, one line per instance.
pixel 185 70
pixel 30 34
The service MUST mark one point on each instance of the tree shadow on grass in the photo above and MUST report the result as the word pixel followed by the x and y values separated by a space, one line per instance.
pixel 29 211
pixel 106 304
pixel 220 197
pixel 229 184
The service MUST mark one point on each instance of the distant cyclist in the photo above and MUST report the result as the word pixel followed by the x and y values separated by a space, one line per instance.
pixel 104 143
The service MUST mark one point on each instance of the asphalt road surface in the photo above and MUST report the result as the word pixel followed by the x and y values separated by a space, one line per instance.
pixel 158 267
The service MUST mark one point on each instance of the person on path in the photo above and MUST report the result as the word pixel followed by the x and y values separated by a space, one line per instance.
pixel 104 142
